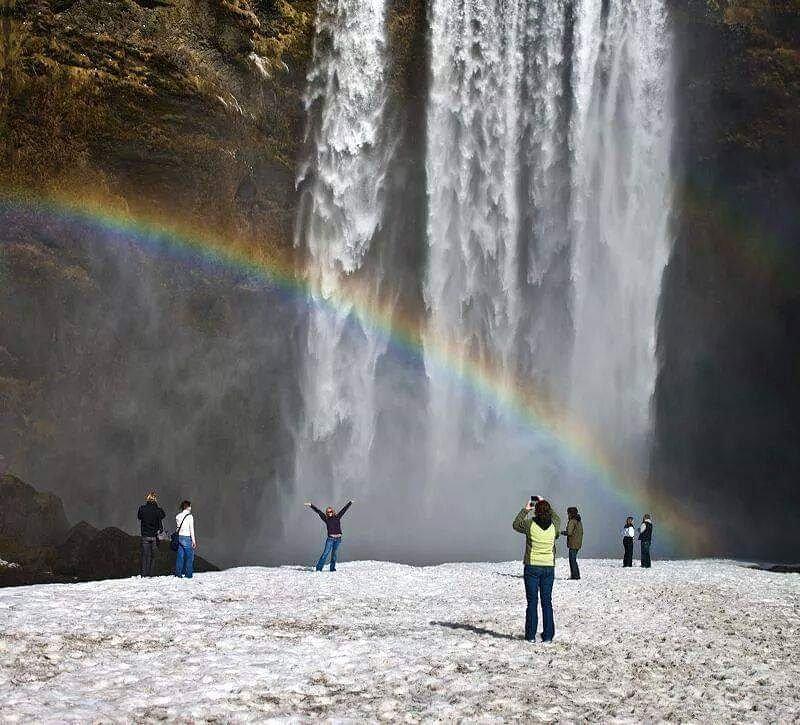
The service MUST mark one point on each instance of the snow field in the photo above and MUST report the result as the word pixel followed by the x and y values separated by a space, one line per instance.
pixel 695 641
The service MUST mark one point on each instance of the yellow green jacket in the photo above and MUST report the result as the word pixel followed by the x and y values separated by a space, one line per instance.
pixel 539 543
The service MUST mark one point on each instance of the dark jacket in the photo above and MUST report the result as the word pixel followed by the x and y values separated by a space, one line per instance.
pixel 151 515
pixel 574 533
pixel 333 523
pixel 647 534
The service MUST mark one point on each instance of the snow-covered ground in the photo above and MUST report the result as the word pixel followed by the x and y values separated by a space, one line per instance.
pixel 701 641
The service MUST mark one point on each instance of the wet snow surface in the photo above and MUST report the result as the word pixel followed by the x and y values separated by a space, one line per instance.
pixel 691 641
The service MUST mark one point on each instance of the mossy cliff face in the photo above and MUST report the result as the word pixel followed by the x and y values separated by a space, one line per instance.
pixel 185 109
pixel 728 396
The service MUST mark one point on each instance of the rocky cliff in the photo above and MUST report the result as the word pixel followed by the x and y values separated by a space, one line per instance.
pixel 728 398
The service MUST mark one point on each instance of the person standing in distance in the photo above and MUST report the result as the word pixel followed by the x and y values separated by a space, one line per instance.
pixel 333 523
pixel 628 533
pixel 574 534
pixel 645 539
pixel 184 561
pixel 151 516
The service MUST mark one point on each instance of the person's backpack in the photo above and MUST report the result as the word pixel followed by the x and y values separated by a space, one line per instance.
pixel 174 544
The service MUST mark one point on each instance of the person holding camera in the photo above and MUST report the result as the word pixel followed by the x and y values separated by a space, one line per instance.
pixel 151 516
pixel 539 566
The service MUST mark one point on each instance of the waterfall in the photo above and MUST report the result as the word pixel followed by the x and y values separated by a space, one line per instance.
pixel 340 216
pixel 549 135
pixel 621 141
pixel 472 168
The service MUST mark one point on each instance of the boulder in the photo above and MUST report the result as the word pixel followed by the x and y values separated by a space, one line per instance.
pixel 28 516
pixel 110 553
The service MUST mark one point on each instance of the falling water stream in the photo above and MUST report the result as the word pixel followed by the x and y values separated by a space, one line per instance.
pixel 549 131
pixel 341 212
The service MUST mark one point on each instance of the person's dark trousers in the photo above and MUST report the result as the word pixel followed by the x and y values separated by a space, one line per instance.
pixel 331 549
pixel 574 571
pixel 627 542
pixel 539 585
pixel 646 554
pixel 149 547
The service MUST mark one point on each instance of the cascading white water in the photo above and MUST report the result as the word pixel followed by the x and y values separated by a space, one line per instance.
pixel 548 186
pixel 549 134
pixel 472 170
pixel 621 140
pixel 340 214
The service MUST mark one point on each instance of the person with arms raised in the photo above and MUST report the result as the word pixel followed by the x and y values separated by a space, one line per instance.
pixel 333 523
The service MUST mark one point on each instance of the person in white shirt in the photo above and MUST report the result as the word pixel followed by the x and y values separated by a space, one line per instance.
pixel 184 561
pixel 628 532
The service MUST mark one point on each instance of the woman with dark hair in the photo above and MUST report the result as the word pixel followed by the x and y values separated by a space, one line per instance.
pixel 574 534
pixel 540 566
pixel 333 523
pixel 184 561
pixel 628 533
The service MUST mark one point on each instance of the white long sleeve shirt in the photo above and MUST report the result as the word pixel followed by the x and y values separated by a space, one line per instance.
pixel 628 531
pixel 188 527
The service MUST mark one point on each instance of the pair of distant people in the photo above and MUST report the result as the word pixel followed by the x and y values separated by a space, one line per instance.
pixel 151 517
pixel 645 539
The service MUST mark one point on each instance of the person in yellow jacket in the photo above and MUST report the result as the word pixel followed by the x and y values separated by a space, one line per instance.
pixel 540 566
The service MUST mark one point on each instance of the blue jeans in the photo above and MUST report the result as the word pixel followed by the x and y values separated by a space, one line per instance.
pixel 539 584
pixel 184 561
pixel 332 544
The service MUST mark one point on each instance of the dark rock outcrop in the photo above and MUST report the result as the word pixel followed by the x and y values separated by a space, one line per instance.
pixel 28 516
pixel 58 554
pixel 110 553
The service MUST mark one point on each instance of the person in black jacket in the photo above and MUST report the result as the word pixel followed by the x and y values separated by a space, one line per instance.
pixel 645 539
pixel 151 516
pixel 333 523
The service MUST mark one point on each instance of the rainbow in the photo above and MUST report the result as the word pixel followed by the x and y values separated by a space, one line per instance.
pixel 518 399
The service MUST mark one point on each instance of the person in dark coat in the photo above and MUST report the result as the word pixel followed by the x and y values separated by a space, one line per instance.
pixel 333 523
pixel 645 539
pixel 574 534
pixel 151 516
